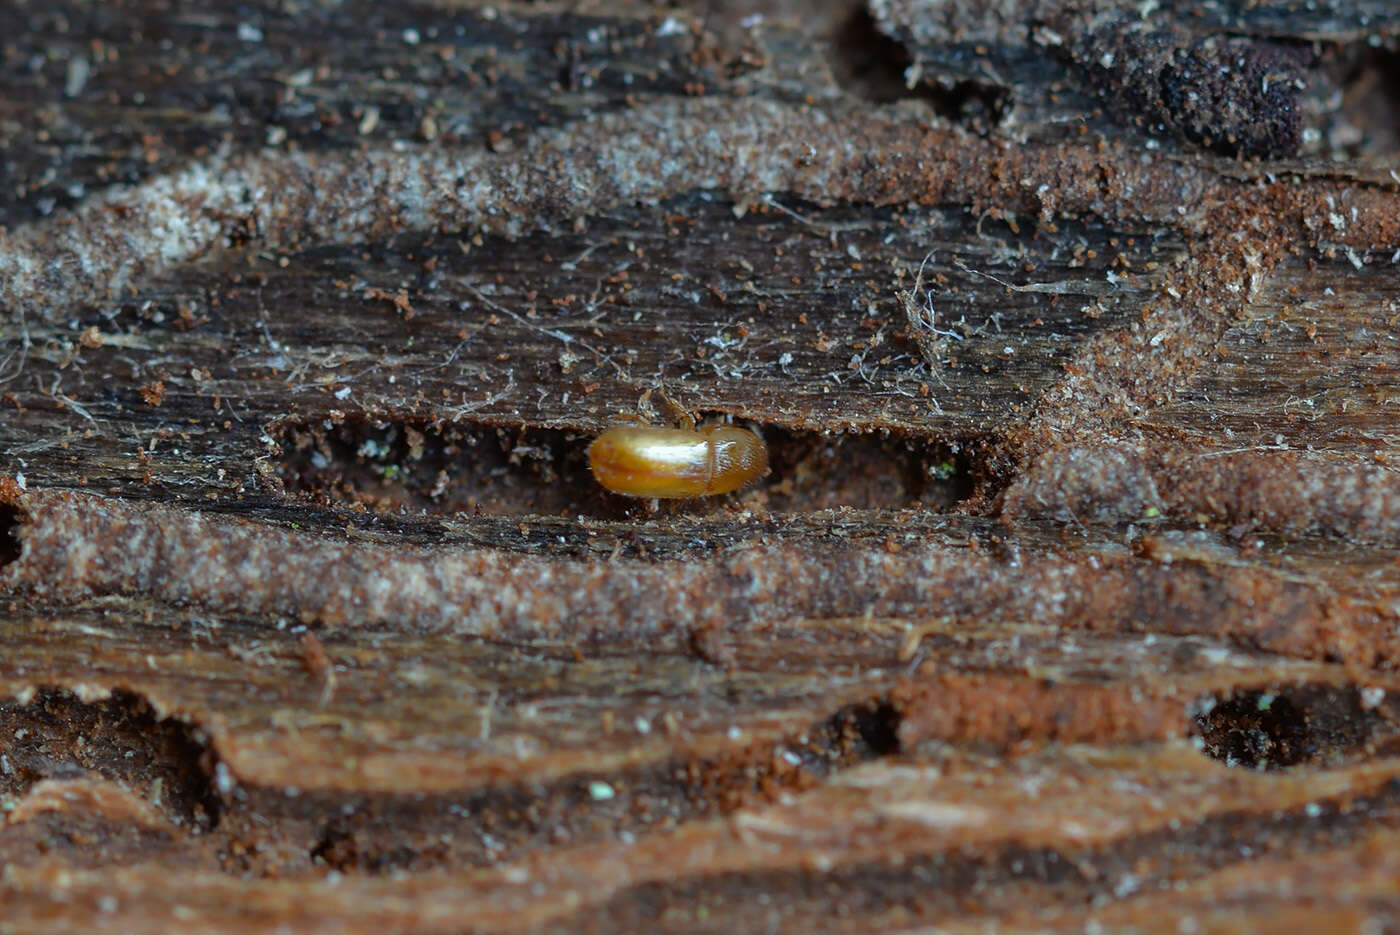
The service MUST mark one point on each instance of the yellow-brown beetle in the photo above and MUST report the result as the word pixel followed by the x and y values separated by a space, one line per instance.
pixel 677 463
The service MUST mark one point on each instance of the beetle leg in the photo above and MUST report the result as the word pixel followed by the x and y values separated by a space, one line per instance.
pixel 678 413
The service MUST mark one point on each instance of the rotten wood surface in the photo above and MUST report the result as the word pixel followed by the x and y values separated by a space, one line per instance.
pixel 1070 598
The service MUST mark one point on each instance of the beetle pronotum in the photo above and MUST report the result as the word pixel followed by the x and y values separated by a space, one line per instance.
pixel 676 463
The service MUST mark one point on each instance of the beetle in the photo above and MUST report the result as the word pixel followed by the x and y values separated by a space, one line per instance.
pixel 677 463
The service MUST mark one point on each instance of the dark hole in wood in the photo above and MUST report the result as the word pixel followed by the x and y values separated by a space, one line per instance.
pixel 875 726
pixel 868 63
pixel 10 546
pixel 58 736
pixel 1291 725
pixel 389 465
pixel 873 66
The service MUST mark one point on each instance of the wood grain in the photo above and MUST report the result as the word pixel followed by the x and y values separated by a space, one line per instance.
pixel 1069 598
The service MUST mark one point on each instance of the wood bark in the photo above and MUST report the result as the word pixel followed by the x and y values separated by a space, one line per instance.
pixel 1072 594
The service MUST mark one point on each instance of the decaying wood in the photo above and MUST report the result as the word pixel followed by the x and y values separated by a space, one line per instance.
pixel 1070 598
